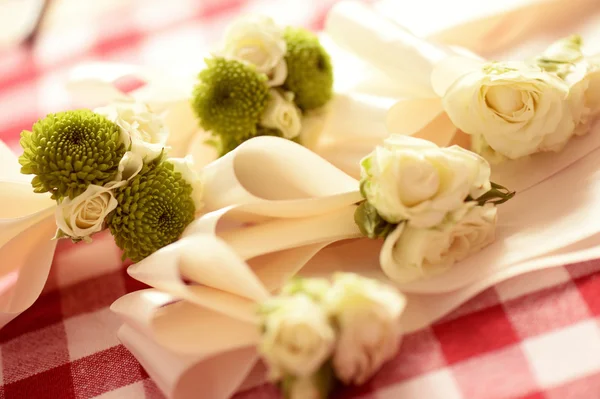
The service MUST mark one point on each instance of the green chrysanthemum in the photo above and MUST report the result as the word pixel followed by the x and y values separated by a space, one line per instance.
pixel 310 74
pixel 230 98
pixel 70 150
pixel 154 209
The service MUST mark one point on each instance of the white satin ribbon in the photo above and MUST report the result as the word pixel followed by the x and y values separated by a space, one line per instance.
pixel 26 228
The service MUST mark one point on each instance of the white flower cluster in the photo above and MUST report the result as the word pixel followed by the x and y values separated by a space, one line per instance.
pixel 144 136
pixel 515 109
pixel 426 197
pixel 257 40
pixel 351 325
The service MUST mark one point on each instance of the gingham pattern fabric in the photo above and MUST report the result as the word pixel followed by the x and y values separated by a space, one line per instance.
pixel 537 336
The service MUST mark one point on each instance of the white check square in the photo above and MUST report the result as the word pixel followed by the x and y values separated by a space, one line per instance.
pixel 92 332
pixel 564 355
pixel 439 384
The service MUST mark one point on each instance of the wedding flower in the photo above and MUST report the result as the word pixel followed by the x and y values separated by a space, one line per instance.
pixel 309 70
pixel 410 253
pixel 297 337
pixel 592 95
pixel 84 215
pixel 518 108
pixel 185 167
pixel 153 210
pixel 282 114
pixel 142 131
pixel 584 80
pixel 69 151
pixel 130 165
pixel 258 41
pixel 481 147
pixel 229 100
pixel 412 179
pixel 81 217
pixel 367 314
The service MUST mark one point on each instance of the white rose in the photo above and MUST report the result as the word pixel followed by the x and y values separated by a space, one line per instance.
pixel 481 147
pixel 185 166
pixel 258 41
pixel 368 318
pixel 141 129
pixel 410 253
pixel 84 215
pixel 518 108
pixel 129 166
pixel 281 113
pixel 413 179
pixel 297 337
pixel 592 95
pixel 585 93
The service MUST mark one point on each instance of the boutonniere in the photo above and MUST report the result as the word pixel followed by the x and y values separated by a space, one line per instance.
pixel 523 114
pixel 433 206
pixel 516 109
pixel 261 82
pixel 350 328
pixel 109 168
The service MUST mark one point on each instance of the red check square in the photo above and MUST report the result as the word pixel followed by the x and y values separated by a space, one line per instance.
pixel 44 312
pixel 475 334
pixel 93 294
pixel 589 288
pixel 96 374
pixel 35 352
pixel 50 384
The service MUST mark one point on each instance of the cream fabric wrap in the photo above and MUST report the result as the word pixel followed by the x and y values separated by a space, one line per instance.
pixel 198 325
pixel 26 227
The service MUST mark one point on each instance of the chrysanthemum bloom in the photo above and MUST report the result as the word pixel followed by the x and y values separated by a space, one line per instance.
pixel 310 74
pixel 154 209
pixel 229 99
pixel 70 150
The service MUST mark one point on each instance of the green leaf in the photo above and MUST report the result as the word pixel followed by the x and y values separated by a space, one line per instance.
pixel 369 222
pixel 497 195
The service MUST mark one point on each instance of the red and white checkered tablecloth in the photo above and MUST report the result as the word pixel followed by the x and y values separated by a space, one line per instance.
pixel 533 337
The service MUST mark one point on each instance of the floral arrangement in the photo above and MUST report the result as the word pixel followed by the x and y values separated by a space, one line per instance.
pixel 508 109
pixel 434 206
pixel 514 109
pixel 316 333
pixel 422 204
pixel 261 82
pixel 109 168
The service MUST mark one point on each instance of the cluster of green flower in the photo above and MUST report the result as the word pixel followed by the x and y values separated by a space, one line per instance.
pixel 88 163
pixel 261 83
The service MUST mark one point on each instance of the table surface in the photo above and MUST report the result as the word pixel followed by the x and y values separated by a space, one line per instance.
pixel 537 336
